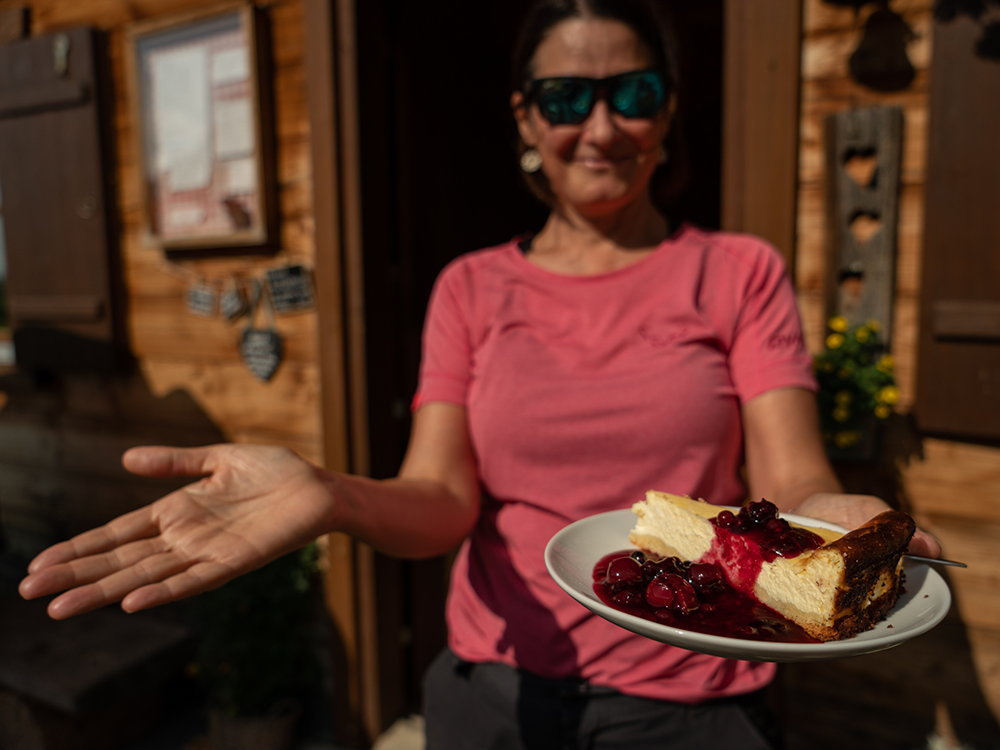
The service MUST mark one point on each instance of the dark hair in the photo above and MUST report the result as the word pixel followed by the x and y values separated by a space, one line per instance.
pixel 653 29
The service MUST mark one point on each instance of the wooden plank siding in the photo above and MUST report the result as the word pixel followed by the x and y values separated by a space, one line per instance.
pixel 60 447
pixel 175 349
pixel 952 488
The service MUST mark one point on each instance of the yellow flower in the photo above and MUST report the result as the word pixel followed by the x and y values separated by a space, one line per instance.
pixel 841 413
pixel 846 438
pixel 826 366
pixel 882 411
pixel 843 398
pixel 844 374
pixel 863 334
pixel 834 340
pixel 874 324
pixel 888 395
pixel 885 364
pixel 838 323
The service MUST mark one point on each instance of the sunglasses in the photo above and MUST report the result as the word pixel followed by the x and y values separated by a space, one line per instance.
pixel 569 100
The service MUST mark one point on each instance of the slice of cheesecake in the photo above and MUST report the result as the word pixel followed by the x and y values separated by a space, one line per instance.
pixel 832 585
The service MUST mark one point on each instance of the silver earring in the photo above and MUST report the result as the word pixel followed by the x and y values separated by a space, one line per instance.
pixel 531 160
pixel 663 156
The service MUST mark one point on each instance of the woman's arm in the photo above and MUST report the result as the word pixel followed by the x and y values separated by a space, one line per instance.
pixel 787 464
pixel 254 504
pixel 433 503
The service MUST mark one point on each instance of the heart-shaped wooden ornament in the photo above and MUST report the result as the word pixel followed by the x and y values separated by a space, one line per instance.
pixel 262 350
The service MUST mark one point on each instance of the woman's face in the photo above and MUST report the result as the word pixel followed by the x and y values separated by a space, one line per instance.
pixel 604 163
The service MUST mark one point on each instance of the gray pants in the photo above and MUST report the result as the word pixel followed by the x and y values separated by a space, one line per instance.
pixel 495 707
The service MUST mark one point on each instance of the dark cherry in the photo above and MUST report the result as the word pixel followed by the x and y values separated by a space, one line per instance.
pixel 670 590
pixel 704 575
pixel 761 512
pixel 727 520
pixel 624 572
pixel 659 593
pixel 685 598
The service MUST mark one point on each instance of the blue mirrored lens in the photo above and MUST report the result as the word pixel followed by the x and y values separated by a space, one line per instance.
pixel 637 94
pixel 565 100
pixel 569 100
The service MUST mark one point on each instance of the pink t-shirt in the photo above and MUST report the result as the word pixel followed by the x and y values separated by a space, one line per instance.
pixel 582 393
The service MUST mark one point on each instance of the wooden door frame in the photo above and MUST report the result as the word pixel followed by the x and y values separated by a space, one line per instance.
pixel 330 73
pixel 760 141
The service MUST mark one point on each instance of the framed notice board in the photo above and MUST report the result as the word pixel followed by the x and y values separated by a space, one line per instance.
pixel 204 137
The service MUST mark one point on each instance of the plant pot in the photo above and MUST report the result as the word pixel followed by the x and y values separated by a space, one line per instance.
pixel 273 731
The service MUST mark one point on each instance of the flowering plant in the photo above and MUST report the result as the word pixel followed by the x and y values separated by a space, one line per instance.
pixel 856 381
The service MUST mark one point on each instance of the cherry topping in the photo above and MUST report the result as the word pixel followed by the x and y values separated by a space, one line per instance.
pixel 775 536
pixel 623 572
pixel 703 575
pixel 659 593
pixel 692 596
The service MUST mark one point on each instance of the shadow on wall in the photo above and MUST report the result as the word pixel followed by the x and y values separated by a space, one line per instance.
pixel 104 679
pixel 901 697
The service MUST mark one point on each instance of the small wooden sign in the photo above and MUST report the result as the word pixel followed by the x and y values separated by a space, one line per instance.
pixel 233 303
pixel 202 299
pixel 262 350
pixel 290 289
pixel 864 154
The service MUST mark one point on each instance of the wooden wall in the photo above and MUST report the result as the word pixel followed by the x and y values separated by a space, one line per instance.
pixel 949 679
pixel 190 385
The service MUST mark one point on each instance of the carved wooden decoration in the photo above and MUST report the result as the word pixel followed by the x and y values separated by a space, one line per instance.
pixel 863 165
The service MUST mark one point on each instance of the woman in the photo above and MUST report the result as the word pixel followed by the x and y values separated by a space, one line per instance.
pixel 561 377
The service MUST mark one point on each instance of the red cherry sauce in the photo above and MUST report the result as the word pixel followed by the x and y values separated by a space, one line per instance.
pixel 698 596
pixel 756 535
pixel 690 596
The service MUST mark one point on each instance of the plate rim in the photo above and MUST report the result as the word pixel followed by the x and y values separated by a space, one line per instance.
pixel 770 651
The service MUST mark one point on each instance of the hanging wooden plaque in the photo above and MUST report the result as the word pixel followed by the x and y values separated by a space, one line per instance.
pixel 291 289
pixel 864 151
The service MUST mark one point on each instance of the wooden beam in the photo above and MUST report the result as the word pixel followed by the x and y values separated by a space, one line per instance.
pixel 323 58
pixel 331 82
pixel 762 50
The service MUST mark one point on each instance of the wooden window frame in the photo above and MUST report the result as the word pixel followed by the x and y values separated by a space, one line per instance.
pixel 261 199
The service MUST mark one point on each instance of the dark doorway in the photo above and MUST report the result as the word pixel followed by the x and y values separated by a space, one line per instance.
pixel 440 178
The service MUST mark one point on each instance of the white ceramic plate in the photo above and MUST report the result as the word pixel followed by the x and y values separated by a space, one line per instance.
pixel 572 554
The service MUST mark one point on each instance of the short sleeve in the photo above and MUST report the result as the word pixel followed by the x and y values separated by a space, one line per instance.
pixel 768 350
pixel 446 356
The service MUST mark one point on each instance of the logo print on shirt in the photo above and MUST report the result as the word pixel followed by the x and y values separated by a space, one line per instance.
pixel 792 341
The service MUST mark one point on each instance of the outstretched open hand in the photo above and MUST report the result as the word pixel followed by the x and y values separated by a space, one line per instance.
pixel 253 504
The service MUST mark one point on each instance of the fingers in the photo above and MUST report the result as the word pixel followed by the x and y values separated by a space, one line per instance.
pixel 139 524
pixel 197 579
pixel 925 545
pixel 88 569
pixel 117 586
pixel 160 461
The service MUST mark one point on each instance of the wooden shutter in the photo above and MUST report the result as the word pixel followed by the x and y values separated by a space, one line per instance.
pixel 958 379
pixel 54 163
